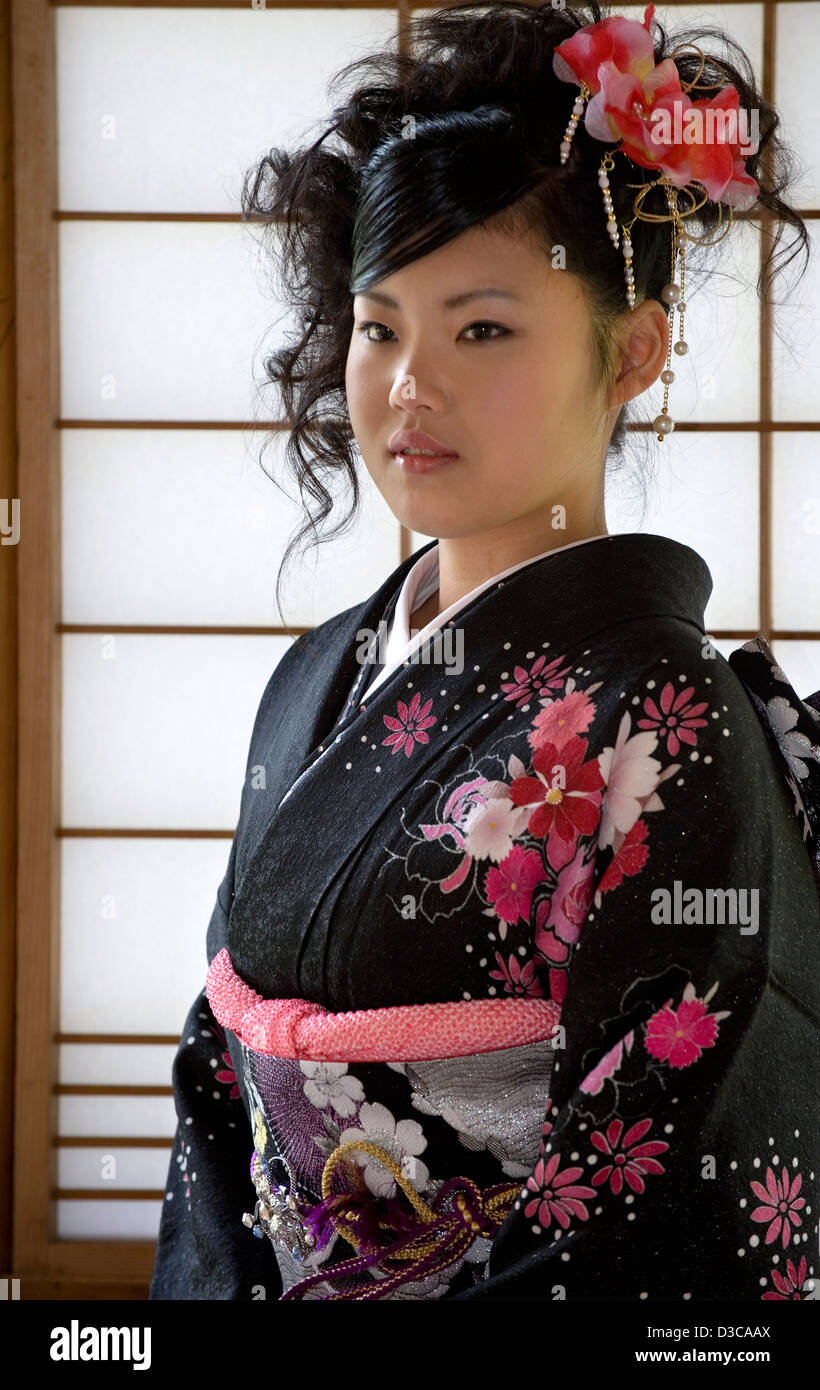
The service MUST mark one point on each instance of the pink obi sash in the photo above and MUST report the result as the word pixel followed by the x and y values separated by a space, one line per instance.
pixel 297 1028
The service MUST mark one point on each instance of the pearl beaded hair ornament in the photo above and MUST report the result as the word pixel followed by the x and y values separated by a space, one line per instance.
pixel 613 62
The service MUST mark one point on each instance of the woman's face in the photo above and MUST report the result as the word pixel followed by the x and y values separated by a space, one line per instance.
pixel 505 380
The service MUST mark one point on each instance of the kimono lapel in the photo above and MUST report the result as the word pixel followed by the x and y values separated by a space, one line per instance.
pixel 316 689
pixel 522 638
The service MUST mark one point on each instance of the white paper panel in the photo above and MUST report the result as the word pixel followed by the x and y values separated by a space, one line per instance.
pixel 798 39
pixel 135 1220
pixel 134 919
pixel 117 1064
pixel 800 661
pixel 130 1168
pixel 705 494
pixel 725 645
pixel 156 729
pixel 795 345
pixel 165 321
pixel 743 23
pixel 796 531
pixel 164 109
pixel 122 1115
pixel 218 528
pixel 718 379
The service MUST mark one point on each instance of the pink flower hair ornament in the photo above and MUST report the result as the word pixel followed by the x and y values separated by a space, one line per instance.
pixel 642 106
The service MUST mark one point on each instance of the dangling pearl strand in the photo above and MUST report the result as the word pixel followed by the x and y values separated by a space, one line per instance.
pixel 608 163
pixel 603 182
pixel 672 295
pixel 577 112
pixel 628 271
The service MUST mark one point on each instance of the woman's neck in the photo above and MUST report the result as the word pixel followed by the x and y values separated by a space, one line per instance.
pixel 459 574
pixel 426 613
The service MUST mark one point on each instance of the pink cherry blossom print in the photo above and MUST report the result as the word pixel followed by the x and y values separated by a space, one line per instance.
pixel 546 1129
pixel 510 885
pixel 629 1160
pixel 492 828
pixel 558 986
pixel 793 1284
pixel 551 948
pixel 519 977
pixel 228 1076
pixel 678 1036
pixel 630 858
pixel 780 1205
pixel 559 721
pixel 570 900
pixel 541 678
pixel 676 719
pixel 593 1082
pixel 409 727
pixel 547 943
pixel 558 1196
pixel 631 775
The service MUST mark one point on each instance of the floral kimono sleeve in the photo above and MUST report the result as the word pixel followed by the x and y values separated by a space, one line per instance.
pixel 679 1156
pixel 203 1250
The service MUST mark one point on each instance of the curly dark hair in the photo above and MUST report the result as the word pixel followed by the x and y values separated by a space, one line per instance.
pixel 488 115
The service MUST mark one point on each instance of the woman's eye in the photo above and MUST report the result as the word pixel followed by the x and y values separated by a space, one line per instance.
pixel 487 323
pixel 363 332
pixel 481 323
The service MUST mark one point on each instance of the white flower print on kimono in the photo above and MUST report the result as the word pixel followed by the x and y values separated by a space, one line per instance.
pixel 403 1141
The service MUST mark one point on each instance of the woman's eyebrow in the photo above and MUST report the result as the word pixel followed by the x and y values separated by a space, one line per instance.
pixel 454 302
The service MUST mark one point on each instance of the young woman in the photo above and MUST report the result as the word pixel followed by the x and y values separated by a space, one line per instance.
pixel 514 985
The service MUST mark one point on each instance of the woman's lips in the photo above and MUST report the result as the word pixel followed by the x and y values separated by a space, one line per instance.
pixel 424 463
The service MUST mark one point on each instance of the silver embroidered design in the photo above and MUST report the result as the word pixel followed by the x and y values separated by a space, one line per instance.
pixel 493 1100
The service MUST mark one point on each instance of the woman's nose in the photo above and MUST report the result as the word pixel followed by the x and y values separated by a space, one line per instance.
pixel 411 389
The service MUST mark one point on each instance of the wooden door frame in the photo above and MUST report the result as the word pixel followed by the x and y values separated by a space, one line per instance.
pixel 30 449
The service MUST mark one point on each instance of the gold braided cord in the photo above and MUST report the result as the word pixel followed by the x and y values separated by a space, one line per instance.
pixel 419 1247
pixel 496 1204
pixel 426 1213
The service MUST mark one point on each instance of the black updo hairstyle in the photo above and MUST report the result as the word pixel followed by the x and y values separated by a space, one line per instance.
pixel 488 116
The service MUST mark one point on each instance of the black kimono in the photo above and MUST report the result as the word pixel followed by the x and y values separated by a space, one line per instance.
pixel 514 973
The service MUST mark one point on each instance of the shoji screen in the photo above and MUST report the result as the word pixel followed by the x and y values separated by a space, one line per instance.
pixel 170 535
pixel 741 483
pixel 151 626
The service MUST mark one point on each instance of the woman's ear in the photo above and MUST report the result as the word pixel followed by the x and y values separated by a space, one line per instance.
pixel 644 345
